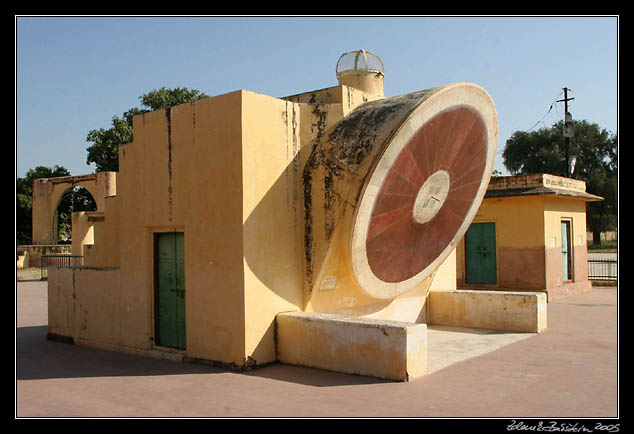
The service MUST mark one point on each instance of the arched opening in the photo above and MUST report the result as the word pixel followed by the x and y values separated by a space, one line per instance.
pixel 74 199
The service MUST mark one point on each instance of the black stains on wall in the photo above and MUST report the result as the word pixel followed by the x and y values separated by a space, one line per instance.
pixel 168 118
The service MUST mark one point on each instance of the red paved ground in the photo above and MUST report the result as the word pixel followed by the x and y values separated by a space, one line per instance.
pixel 568 371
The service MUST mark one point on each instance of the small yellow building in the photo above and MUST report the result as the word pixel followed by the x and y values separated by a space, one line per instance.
pixel 528 234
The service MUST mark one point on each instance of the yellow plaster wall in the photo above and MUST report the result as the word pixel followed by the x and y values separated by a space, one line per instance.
pixel 556 209
pixel 271 178
pixel 528 239
pixel 105 249
pixel 226 171
pixel 445 277
pixel 83 232
pixel 277 140
pixel 519 233
pixel 520 220
pixel 573 210
pixel 184 173
pixel 348 97
pixel 87 303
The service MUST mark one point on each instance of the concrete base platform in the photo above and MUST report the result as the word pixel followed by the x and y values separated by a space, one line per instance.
pixel 449 345
pixel 462 325
pixel 498 310
pixel 384 349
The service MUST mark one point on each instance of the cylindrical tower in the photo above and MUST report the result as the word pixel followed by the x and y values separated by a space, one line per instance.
pixel 362 70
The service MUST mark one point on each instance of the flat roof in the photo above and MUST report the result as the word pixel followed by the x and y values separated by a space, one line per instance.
pixel 538 184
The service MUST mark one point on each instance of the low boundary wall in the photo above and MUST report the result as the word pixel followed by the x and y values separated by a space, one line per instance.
pixel 497 310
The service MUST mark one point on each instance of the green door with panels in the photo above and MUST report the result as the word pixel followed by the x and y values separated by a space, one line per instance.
pixel 170 290
pixel 480 254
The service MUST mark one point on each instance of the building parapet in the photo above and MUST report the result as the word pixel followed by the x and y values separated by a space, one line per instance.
pixel 538 183
pixel 536 180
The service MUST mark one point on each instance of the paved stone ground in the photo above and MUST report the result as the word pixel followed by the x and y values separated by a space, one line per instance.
pixel 569 371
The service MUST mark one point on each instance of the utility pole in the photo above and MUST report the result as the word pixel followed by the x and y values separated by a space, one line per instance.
pixel 568 128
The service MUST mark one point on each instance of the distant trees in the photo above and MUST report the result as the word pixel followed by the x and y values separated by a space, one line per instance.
pixel 544 151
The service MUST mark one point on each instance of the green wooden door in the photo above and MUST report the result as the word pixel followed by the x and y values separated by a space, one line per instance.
pixel 480 254
pixel 170 290
pixel 565 250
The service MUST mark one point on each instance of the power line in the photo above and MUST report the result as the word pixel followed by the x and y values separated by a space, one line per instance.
pixel 552 104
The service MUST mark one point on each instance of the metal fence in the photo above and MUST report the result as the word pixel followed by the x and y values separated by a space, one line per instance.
pixel 59 261
pixel 598 269
pixel 602 269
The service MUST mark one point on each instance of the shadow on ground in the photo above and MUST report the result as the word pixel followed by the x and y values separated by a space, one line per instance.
pixel 38 358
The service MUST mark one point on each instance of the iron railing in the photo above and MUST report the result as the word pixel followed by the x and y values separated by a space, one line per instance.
pixel 58 261
pixel 602 269
pixel 598 269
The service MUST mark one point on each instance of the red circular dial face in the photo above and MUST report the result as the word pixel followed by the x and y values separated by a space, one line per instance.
pixel 426 194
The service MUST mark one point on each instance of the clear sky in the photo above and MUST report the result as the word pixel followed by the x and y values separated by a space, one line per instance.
pixel 73 74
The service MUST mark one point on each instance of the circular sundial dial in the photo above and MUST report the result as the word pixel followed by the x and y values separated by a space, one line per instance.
pixel 424 190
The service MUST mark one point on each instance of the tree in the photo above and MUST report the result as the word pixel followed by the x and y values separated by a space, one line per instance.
pixel 544 151
pixel 24 199
pixel 104 151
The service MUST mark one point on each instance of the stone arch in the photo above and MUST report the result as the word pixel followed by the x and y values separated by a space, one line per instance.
pixel 47 193
pixel 70 195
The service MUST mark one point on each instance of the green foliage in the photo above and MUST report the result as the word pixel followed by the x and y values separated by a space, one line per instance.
pixel 164 98
pixel 104 151
pixel 23 226
pixel 544 151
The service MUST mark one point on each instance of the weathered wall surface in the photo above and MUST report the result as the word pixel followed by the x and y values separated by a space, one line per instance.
pixel 385 349
pixel 529 239
pixel 271 215
pixel 47 192
pixel 104 250
pixel 90 304
pixel 183 173
pixel 513 311
pixel 555 211
pixel 519 238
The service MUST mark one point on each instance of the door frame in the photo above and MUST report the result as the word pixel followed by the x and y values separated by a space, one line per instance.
pixel 570 246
